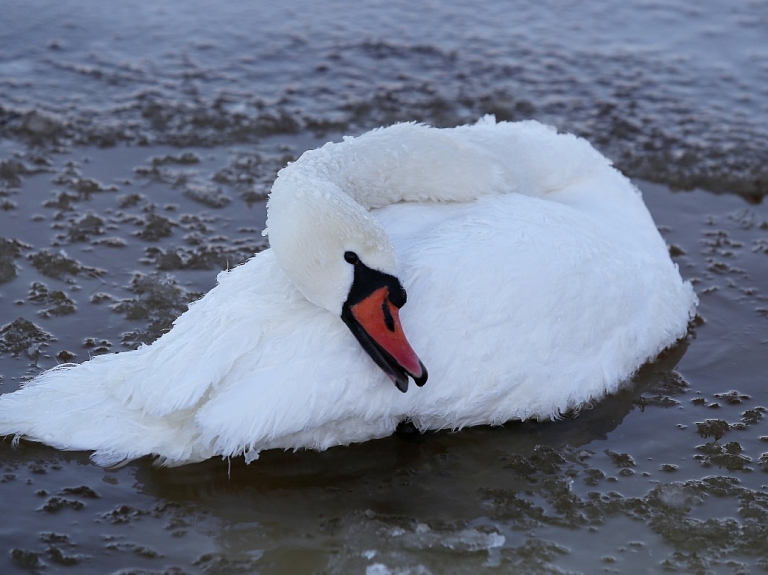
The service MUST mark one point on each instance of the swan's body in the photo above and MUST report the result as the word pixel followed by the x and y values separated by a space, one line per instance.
pixel 536 282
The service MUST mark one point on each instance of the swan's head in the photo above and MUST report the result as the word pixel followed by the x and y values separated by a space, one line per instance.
pixel 341 259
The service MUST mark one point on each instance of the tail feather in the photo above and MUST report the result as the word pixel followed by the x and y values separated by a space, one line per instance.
pixel 53 407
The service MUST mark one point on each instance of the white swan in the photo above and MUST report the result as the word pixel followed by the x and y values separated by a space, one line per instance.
pixel 536 282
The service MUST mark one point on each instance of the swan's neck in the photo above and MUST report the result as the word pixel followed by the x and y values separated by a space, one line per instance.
pixel 319 205
pixel 311 224
pixel 403 163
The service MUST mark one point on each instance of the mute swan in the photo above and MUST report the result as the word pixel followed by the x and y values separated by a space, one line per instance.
pixel 536 282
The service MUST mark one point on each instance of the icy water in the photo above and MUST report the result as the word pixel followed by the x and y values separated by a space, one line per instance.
pixel 137 144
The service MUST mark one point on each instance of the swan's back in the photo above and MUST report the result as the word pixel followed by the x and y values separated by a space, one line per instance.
pixel 567 313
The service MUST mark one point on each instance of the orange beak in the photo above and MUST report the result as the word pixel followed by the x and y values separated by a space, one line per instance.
pixel 374 319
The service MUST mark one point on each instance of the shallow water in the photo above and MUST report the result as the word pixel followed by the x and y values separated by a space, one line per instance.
pixel 143 139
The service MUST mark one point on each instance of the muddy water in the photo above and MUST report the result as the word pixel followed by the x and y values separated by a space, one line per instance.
pixel 137 144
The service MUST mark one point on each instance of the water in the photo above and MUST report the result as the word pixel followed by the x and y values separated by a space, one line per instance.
pixel 143 138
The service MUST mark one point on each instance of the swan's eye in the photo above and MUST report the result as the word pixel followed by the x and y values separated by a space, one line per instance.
pixel 351 257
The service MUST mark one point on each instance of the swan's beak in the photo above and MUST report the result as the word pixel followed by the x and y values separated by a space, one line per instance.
pixel 374 320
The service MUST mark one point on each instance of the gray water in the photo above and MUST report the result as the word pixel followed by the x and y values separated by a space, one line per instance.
pixel 137 144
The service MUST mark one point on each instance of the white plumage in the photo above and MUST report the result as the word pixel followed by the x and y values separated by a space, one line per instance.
pixel 536 282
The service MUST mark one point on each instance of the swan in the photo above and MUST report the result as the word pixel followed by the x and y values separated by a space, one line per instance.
pixel 535 279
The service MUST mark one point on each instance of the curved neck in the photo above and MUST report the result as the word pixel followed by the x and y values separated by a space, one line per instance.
pixel 319 205
pixel 311 224
pixel 402 163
